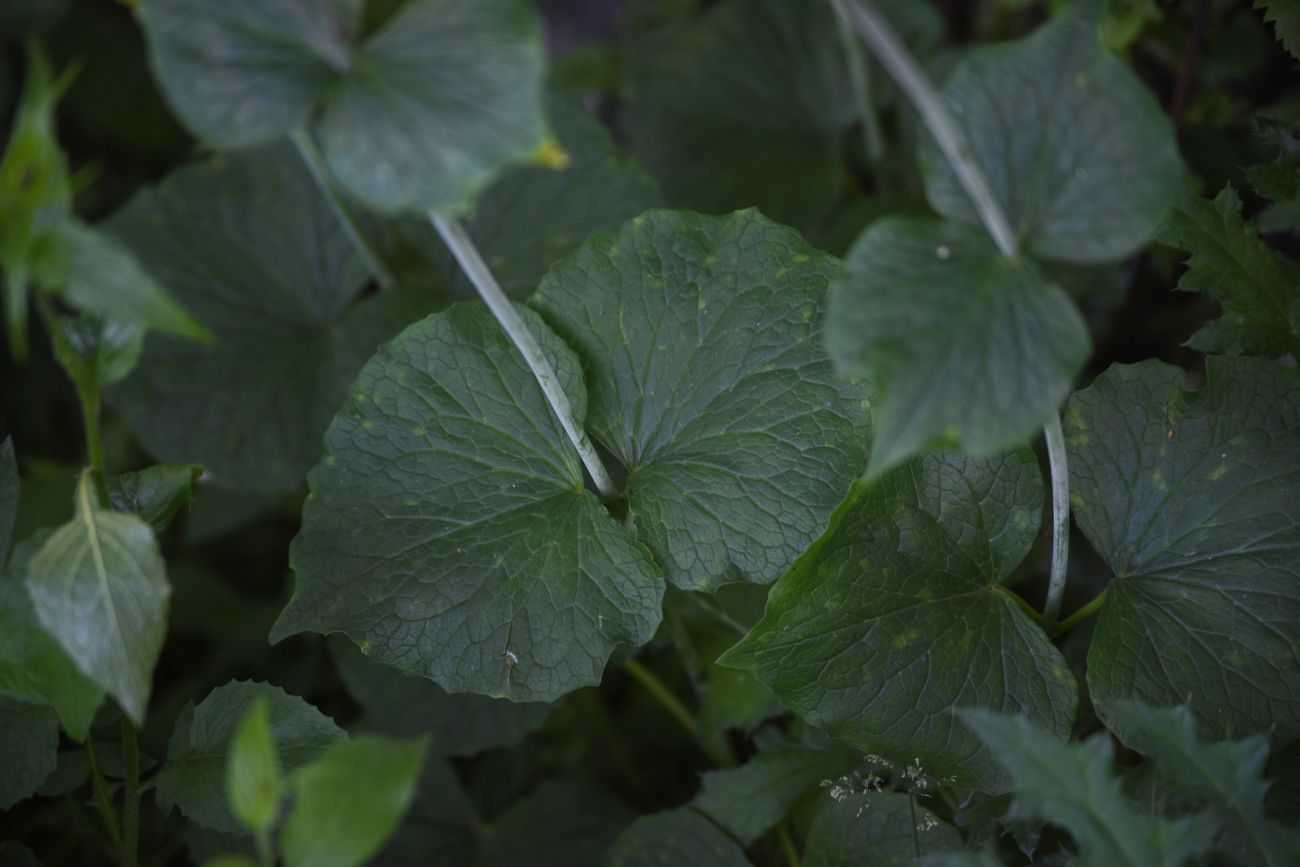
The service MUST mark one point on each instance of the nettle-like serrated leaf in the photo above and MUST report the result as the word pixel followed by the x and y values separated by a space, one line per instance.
pixel 155 493
pixel 1228 775
pixel 29 744
pixel 749 800
pixel 1077 149
pixel 1193 498
pixel 1278 180
pixel 708 382
pixel 1258 289
pixel 419 115
pixel 249 244
pixel 350 800
pixel 194 778
pixel 448 532
pixel 680 836
pixel 460 724
pixel 1072 785
pixel 99 587
pixel 965 348
pixel 1284 15
pixel 746 106
pixel 894 617
pixel 94 273
pixel 883 829
pixel 33 665
pixel 8 497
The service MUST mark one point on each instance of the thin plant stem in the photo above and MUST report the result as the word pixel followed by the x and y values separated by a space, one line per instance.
pixel 265 854
pixel 859 74
pixel 462 247
pixel 903 68
pixel 1079 616
pixel 102 800
pixel 1057 464
pixel 663 695
pixel 1020 603
pixel 787 846
pixel 131 808
pixel 311 158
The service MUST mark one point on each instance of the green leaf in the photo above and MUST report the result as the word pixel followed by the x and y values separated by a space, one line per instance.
pixel 749 800
pixel 461 724
pixel 884 829
pixel 195 777
pixel 35 191
pixel 1284 15
pixel 708 382
pixel 155 493
pixel 420 115
pixel 1227 774
pixel 895 616
pixel 680 836
pixel 1193 499
pixel 440 826
pixel 254 783
pixel 93 272
pixel 1258 289
pixel 1078 151
pixel 29 745
pixel 17 855
pixel 248 243
pixel 33 666
pixel 447 531
pixel 8 497
pixel 1072 785
pixel 95 352
pixel 243 72
pixel 350 800
pixel 745 106
pixel 964 347
pixel 231 861
pixel 1278 180
pixel 99 587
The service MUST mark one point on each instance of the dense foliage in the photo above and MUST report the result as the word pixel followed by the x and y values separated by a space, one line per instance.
pixel 753 432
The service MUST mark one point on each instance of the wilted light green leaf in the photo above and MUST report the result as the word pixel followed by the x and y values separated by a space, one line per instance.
pixel 448 532
pixel 1258 289
pixel 1076 147
pixel 746 106
pixel 195 777
pixel 1193 498
pixel 1227 774
pixel 701 341
pixel 254 784
pixel 33 666
pixel 347 802
pixel 460 724
pixel 35 192
pixel 155 493
pixel 93 272
pixel 965 349
pixel 680 836
pixel 1072 785
pixel 419 115
pixel 29 745
pixel 248 244
pixel 895 616
pixel 883 829
pixel 99 587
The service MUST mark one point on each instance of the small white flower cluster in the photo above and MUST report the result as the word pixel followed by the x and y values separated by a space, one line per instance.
pixel 913 782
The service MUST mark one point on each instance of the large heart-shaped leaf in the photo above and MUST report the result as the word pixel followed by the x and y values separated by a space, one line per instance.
pixel 1193 498
pixel 884 829
pixel 709 384
pixel 448 531
pixel 100 589
pixel 680 836
pixel 1077 149
pixel 418 115
pixel 29 745
pixel 746 107
pixel 251 247
pixel 895 617
pixel 964 347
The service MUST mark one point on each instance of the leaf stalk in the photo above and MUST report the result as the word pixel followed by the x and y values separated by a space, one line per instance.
pixel 1060 473
pixel 471 262
pixel 131 809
